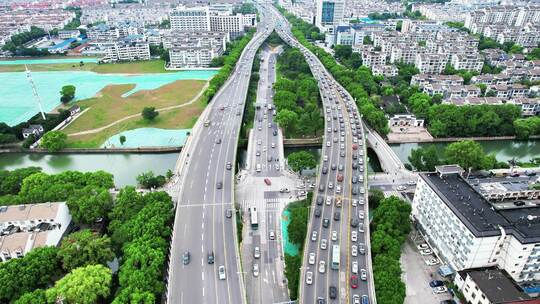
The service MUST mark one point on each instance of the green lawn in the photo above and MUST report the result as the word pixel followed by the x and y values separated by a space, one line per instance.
pixel 137 67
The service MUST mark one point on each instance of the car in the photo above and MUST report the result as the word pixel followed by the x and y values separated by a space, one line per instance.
pixel 332 292
pixel 340 167
pixel 273 145
pixel 354 236
pixel 363 274
pixel 362 248
pixel 354 282
pixel 269 158
pixel 354 179
pixel 321 300
pixel 228 213
pixel 337 216
pixel 313 236
pixel 324 244
pixel 210 257
pixel 354 202
pixel 321 188
pixel 309 277
pixel 186 257
pixel 326 223
pixel 334 236
pixel 440 289
pixel 355 299
pixel 274 132
pixel 284 190
pixel 219 185
pixel 267 181
pixel 328 144
pixel 354 165
pixel 330 185
pixel 401 188
pixel 328 200
pixel 259 128
pixel 342 153
pixel 354 190
pixel 259 142
pixel 365 299
pixel 339 177
pixel 255 270
pixel 354 267
pixel 333 167
pixel 354 222
pixel 335 139
pixel 436 283
pixel 221 272
pixel 324 170
pixel 311 259
pixel 422 246
pixel 322 266
pixel 432 261
pixel 361 214
pixel 317 212
pixel 319 200
pixel 426 252
pixel 411 183
pixel 272 235
pixel 218 141
pixel 354 250
pixel 361 227
pixel 258 153
pixel 257 252
pixel 325 158
pixel 338 189
pixel 329 130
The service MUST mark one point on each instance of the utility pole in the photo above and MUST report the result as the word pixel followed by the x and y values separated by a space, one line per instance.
pixel 34 90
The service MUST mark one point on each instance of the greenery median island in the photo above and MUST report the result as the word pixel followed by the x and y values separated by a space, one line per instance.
pixel 296 230
pixel 133 228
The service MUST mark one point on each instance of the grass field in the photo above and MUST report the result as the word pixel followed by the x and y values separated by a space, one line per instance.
pixel 109 107
pixel 138 67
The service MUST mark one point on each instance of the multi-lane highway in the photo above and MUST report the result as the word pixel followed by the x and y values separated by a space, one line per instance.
pixel 204 264
pixel 339 214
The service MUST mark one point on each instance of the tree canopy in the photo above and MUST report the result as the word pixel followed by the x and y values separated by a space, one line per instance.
pixel 301 160
pixel 85 248
pixel 149 113
pixel 84 285
pixel 54 141
pixel 67 93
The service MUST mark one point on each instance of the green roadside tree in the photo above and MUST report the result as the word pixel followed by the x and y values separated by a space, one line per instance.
pixel 89 203
pixel 84 285
pixel 425 159
pixel 301 160
pixel 375 197
pixel 466 153
pixel 54 141
pixel 33 297
pixel 149 113
pixel 67 93
pixel 287 120
pixel 149 180
pixel 85 248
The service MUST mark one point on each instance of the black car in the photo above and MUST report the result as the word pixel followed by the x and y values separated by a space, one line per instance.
pixel 186 258
pixel 320 200
pixel 317 212
pixel 219 185
pixel 436 283
pixel 326 223
pixel 321 300
pixel 354 165
pixel 218 141
pixel 354 222
pixel 354 190
pixel 337 216
pixel 274 132
pixel 321 188
pixel 332 292
pixel 324 170
pixel 210 258
pixel 355 156
pixel 333 166
pixel 228 213
pixel 354 179
pixel 229 166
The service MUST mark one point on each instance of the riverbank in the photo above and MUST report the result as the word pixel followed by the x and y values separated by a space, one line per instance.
pixel 453 139
pixel 141 150
pixel 89 64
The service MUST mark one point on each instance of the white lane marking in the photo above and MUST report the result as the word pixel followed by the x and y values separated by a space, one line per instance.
pixel 203 291
pixel 202 237
pixel 202 273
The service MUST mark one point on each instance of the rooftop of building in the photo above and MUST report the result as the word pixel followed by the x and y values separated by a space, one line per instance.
pixel 496 285
pixel 44 211
pixel 477 213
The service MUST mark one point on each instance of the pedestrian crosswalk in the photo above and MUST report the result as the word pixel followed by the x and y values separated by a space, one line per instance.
pixel 268 205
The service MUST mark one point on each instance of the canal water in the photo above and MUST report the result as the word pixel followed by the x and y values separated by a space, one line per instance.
pixel 124 167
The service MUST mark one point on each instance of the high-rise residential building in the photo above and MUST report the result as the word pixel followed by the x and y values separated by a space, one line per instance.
pixel 329 13
pixel 190 18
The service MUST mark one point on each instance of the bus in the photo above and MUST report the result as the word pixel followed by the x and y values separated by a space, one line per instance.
pixel 335 257
pixel 253 219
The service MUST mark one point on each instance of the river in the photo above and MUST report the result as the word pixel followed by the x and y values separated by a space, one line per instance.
pixel 124 167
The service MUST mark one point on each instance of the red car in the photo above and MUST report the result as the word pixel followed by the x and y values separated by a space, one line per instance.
pixel 354 146
pixel 354 282
pixel 267 181
pixel 340 177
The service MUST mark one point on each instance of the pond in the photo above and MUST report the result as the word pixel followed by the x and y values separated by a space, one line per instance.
pixel 18 104
pixel 124 167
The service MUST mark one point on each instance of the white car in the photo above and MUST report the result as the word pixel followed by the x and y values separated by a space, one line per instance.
pixel 322 266
pixel 354 203
pixel 255 270
pixel 311 259
pixel 309 277
pixel 426 251
pixel 354 267
pixel 440 289
pixel 334 236
pixel 314 236
pixel 324 244
pixel 401 188
pixel 221 272
pixel 328 200
pixel 328 144
pixel 354 236
pixel 355 299
pixel 361 214
pixel 422 246
pixel 411 183
pixel 354 250
pixel 325 158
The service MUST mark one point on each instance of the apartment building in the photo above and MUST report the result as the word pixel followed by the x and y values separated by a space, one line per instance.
pixel 430 63
pixel 372 58
pixel 422 80
pixel 529 106
pixel 194 50
pixel 451 91
pixel 211 39
pixel 384 70
pixel 468 227
pixel 147 14
pixel 507 91
pixel 474 101
pixel 405 52
pixel 470 62
pixel 103 32
pixel 67 34
pixel 227 23
pixel 25 227
pixel 128 50
pixel 190 18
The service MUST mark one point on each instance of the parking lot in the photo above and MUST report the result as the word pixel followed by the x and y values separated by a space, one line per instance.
pixel 417 275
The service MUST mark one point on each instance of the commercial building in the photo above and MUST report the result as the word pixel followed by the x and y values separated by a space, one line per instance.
pixel 25 227
pixel 329 14
pixel 470 224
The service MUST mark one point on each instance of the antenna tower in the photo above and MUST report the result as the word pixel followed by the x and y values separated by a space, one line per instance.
pixel 34 90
